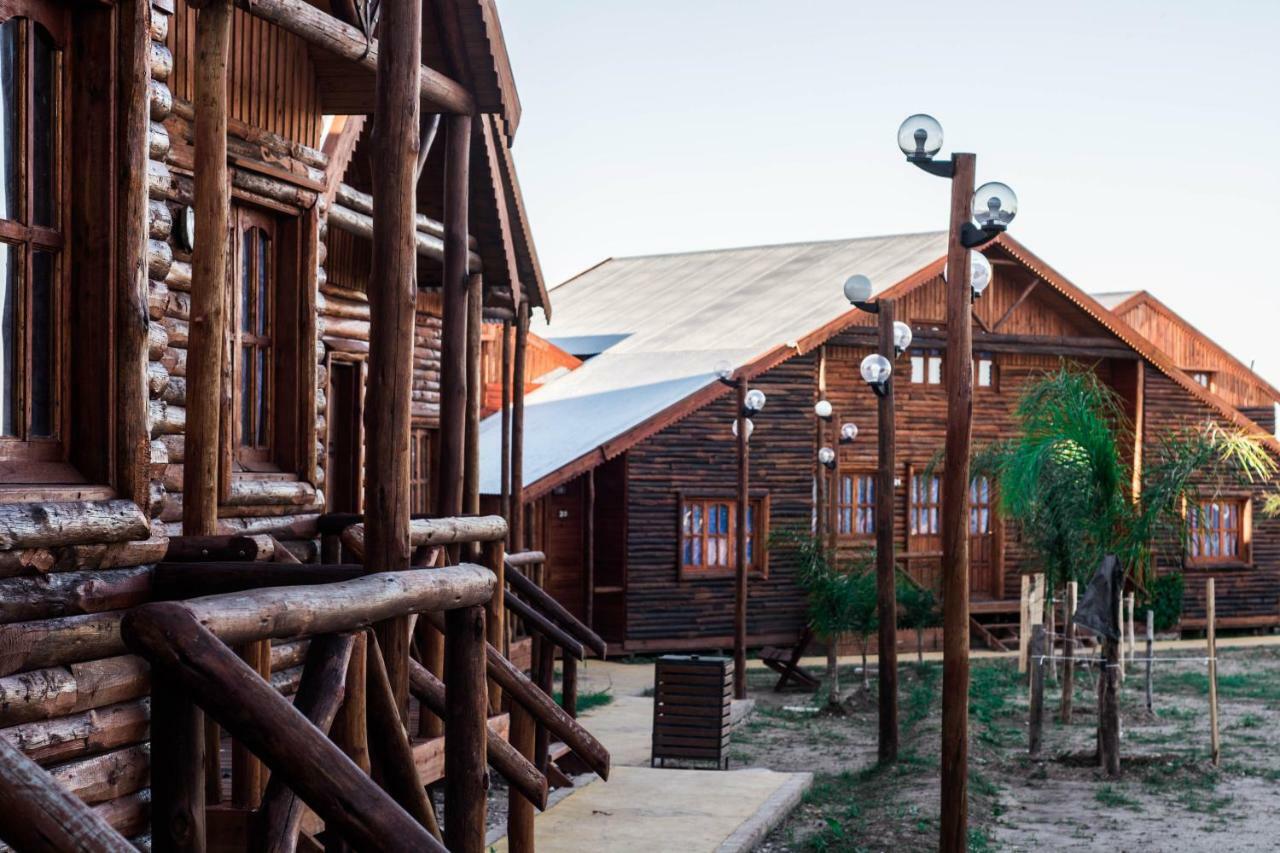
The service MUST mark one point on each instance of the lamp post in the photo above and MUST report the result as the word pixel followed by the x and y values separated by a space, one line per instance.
pixel 877 371
pixel 749 404
pixel 992 207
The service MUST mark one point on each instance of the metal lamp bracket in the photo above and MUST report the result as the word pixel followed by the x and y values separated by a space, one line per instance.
pixel 973 237
pixel 941 168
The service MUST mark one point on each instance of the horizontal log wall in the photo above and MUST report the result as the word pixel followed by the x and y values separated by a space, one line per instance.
pixel 1247 595
pixel 698 455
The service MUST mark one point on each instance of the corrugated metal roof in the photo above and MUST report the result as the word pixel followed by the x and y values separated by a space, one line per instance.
pixel 1114 299
pixel 663 322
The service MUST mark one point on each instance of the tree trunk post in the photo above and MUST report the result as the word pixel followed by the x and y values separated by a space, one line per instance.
pixel 569 685
pixel 475 394
pixel 740 551
pixel 392 304
pixel 886 579
pixel 466 777
pixel 1037 690
pixel 519 808
pixel 505 474
pixel 954 824
pixel 496 616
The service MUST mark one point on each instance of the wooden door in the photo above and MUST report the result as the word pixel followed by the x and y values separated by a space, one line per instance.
pixel 563 538
pixel 982 552
pixel 345 489
pixel 924 528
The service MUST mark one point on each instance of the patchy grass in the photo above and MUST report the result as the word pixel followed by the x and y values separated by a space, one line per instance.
pixel 587 701
pixel 1112 797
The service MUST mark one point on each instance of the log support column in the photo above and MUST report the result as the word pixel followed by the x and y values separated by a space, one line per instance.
pixel 516 519
pixel 886 579
pixel 466 777
pixel 392 302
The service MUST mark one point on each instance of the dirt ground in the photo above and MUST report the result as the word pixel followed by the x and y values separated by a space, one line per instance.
pixel 1169 795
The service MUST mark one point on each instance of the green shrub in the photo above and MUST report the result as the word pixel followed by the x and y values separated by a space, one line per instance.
pixel 1164 596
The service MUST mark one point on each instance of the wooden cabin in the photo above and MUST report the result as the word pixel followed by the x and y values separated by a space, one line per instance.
pixel 630 465
pixel 196 334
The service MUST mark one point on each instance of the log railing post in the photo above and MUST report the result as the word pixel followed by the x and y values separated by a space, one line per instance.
pixel 453 339
pixel 392 303
pixel 466 779
pixel 545 672
pixel 475 394
pixel 569 685
pixel 351 729
pixel 519 808
pixel 505 509
pixel 495 616
pixel 177 768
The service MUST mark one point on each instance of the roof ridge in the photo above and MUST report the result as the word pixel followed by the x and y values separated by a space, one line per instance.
pixel 783 245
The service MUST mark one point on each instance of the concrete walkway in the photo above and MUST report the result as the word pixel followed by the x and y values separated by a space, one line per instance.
pixel 642 808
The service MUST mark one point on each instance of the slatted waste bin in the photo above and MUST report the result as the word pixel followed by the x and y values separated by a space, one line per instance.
pixel 692 696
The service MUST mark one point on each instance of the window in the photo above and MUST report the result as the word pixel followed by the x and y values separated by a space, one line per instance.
pixel 1221 531
pixel 926 368
pixel 1203 378
pixel 708 535
pixel 271 320
pixel 984 371
pixel 420 470
pixel 924 511
pixel 255 325
pixel 856 505
pixel 979 506
pixel 32 233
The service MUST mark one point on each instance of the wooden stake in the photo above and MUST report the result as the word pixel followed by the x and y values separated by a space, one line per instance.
pixel 740 551
pixel 495 619
pixel 954 824
pixel 519 808
pixel 886 575
pixel 1109 696
pixel 1036 734
pixel 1211 622
pixel 206 328
pixel 1133 643
pixel 1069 651
pixel 1024 623
pixel 1151 651
pixel 392 303
pixel 569 685
pixel 466 779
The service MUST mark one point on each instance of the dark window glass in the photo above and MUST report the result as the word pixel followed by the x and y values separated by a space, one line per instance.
pixel 10 125
pixel 264 254
pixel 9 375
pixel 246 407
pixel 260 398
pixel 44 107
pixel 43 374
pixel 246 281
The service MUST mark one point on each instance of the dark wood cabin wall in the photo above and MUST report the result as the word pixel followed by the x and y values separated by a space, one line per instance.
pixel 611 549
pixel 1249 595
pixel 271 84
pixel 1192 352
pixel 698 455
pixel 1263 416
pixel 87 720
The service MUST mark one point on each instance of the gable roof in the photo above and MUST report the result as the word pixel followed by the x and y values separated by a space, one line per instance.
pixel 657 326
pixel 1126 303
pixel 671 319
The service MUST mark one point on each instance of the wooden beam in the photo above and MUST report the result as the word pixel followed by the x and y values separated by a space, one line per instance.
pixel 465 748
pixel 493 555
pixel 392 306
pixel 346 42
pixel 453 343
pixel 320 694
pixel 475 393
pixel 177 770
pixel 516 541
pixel 348 801
pixel 132 432
pixel 886 569
pixel 505 497
pixel 514 767
pixel 548 604
pixel 544 627
pixel 1022 297
pixel 37 814
pixel 954 823
pixel 207 326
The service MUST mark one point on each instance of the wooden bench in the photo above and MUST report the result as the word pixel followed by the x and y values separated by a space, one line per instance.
pixel 786 662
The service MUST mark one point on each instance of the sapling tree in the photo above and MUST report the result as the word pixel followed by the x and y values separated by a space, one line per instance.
pixel 917 610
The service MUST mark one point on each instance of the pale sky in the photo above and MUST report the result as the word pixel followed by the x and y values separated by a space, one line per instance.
pixel 1141 136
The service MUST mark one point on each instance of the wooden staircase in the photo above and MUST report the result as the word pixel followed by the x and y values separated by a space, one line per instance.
pixel 995 623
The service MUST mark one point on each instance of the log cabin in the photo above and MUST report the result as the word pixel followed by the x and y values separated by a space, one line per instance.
pixel 205 313
pixel 630 465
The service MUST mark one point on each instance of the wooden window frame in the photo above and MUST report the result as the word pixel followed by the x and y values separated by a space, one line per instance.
pixel 853 508
pixel 926 359
pixel 913 507
pixel 82 462
pixel 421 455
pixel 993 372
pixel 989 506
pixel 759 505
pixel 1243 504
pixel 292 410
